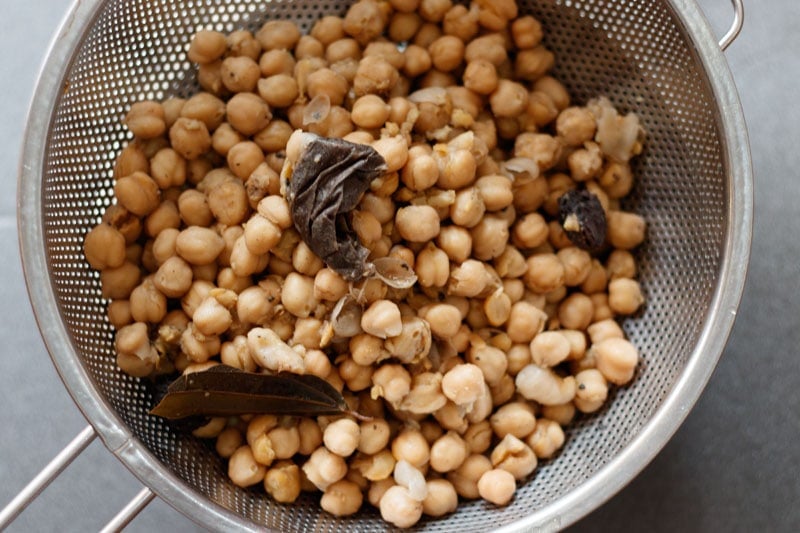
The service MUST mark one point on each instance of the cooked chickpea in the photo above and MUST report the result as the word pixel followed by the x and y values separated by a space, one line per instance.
pixel 489 237
pixel 441 499
pixel 577 265
pixel 625 230
pixel 282 482
pixel 382 319
pixel 444 319
pixel 374 436
pixel 448 452
pixel 497 486
pixel 525 322
pixel 324 468
pixel 243 469
pixel 591 392
pixel 146 119
pixel 417 223
pixel 616 359
pixel 278 34
pixel 526 32
pixel 342 498
pixel 624 296
pixel 509 99
pixel 547 438
pixel 465 477
pixel 446 53
pixel 137 193
pixel 533 63
pixel 239 74
pixel 297 295
pixel 399 508
pixel 104 247
pixel 244 158
pixel 370 111
pixel 248 113
pixel 410 445
pixel 207 46
pixel 529 232
pixel 190 138
pixel 461 22
pixel 432 267
pixel 341 437
pixel 576 311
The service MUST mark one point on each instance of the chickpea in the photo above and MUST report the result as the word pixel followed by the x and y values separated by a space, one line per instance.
pixel 206 108
pixel 324 468
pixel 510 99
pixel 282 482
pixel 577 265
pixel 515 419
pixel 497 486
pixel 444 319
pixel 236 354
pixel 394 151
pixel 410 445
pixel 228 441
pixel 137 193
pixel 241 43
pixel 463 384
pixel 146 119
pixel 341 437
pixel 382 319
pixel 274 62
pixel 576 311
pixel 248 113
pixel 239 74
pixel 624 296
pixel 544 386
pixel 342 498
pixel 533 63
pixel 526 32
pixel 364 21
pixel 135 355
pixel 592 390
pixel 465 478
pixel 461 22
pixel 560 414
pixel 278 34
pixel 244 158
pixel 173 278
pixel 375 75
pixel 397 506
pixel 446 53
pixel 310 436
pixel 616 179
pixel 625 230
pixel 374 436
pixel 448 452
pixel 621 264
pixel 525 322
pixel 104 247
pixel 370 111
pixel 243 470
pixel 131 159
pixel 442 498
pixel 616 359
pixel 326 82
pixel 417 223
pixel 489 237
pixel 455 242
pixel 309 46
pixel 547 439
pixel 514 456
pixel 530 231
pixel 297 295
pixel 190 138
pixel 206 46
pixel 209 77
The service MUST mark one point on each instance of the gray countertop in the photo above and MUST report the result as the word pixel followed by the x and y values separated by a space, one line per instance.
pixel 734 465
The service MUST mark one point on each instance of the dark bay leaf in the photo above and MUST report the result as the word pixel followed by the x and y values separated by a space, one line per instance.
pixel 327 182
pixel 226 391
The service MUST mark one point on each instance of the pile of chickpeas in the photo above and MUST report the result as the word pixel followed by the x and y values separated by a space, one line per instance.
pixel 510 330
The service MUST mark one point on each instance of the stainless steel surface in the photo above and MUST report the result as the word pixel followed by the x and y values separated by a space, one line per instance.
pixel 46 476
pixel 736 26
pixel 657 58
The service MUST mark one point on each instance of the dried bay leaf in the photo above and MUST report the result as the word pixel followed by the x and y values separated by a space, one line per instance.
pixel 226 391
pixel 326 183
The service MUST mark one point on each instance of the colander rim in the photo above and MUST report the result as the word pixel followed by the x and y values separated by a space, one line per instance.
pixel 562 512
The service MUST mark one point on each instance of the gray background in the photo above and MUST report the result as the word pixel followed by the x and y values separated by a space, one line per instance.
pixel 734 465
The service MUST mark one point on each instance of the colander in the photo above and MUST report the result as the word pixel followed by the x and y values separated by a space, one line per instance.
pixel 657 58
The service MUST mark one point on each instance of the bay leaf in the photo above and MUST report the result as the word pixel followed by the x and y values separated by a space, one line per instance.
pixel 327 182
pixel 226 391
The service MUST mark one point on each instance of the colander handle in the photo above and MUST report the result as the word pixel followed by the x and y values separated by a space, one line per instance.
pixel 736 27
pixel 53 469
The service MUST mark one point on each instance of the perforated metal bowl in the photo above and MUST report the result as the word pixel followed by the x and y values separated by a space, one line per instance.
pixel 657 58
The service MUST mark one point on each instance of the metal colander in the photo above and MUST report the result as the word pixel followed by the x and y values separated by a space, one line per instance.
pixel 657 58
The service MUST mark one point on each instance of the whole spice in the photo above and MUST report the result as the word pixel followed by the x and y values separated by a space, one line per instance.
pixel 583 219
pixel 326 182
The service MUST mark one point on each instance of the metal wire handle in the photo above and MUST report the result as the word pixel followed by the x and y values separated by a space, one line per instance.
pixel 53 469
pixel 736 26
